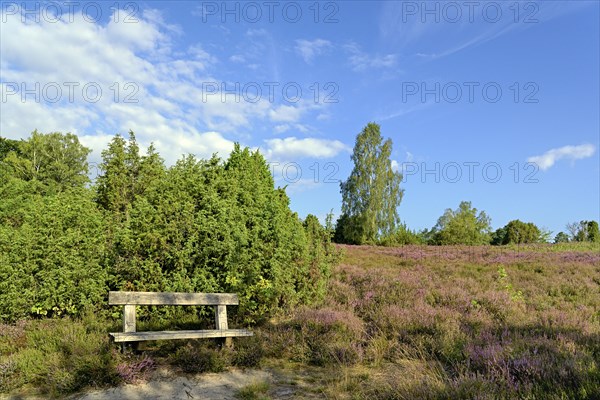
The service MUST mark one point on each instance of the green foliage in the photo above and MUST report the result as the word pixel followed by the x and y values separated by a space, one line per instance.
pixel 498 236
pixel 545 236
pixel 8 145
pixel 403 236
pixel 561 237
pixel 371 194
pixel 58 161
pixel 593 233
pixel 462 226
pixel 51 249
pixel 209 226
pixel 518 232
pixel 584 231
pixel 254 391
pixel 506 285
pixel 198 226
pixel 521 232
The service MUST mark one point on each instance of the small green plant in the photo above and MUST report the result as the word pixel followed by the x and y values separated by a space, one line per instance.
pixel 503 280
pixel 254 391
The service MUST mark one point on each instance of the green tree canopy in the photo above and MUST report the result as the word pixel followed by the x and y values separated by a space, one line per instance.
pixel 561 237
pixel 55 159
pixel 517 231
pixel 462 226
pixel 584 231
pixel 371 195
pixel 6 146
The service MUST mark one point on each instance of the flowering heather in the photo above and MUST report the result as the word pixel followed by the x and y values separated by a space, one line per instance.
pixel 133 371
pixel 453 322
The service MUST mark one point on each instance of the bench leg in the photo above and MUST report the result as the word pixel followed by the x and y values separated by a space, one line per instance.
pixel 129 326
pixel 221 323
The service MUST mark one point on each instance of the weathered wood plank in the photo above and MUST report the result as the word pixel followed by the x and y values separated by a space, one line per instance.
pixel 172 298
pixel 221 317
pixel 129 318
pixel 160 335
pixel 221 323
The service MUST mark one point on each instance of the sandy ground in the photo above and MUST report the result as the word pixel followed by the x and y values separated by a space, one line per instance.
pixel 168 385
pixel 204 386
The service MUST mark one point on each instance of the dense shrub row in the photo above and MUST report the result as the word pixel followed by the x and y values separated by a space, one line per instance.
pixel 198 226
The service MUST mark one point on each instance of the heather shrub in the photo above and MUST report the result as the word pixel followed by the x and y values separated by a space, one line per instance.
pixel 133 368
pixel 58 357
pixel 254 391
pixel 457 322
pixel 198 358
pixel 249 352
pixel 328 336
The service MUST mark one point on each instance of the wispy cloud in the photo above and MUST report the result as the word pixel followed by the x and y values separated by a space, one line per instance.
pixel 436 33
pixel 549 158
pixel 302 185
pixel 406 110
pixel 308 49
pixel 362 61
pixel 294 148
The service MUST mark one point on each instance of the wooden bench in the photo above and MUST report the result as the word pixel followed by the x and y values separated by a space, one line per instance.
pixel 132 299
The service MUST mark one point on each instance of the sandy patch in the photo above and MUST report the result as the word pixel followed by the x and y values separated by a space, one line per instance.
pixel 203 386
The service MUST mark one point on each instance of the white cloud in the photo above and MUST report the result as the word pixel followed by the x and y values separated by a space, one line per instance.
pixel 169 105
pixel 362 61
pixel 285 113
pixel 237 58
pixel 256 32
pixel 549 158
pixel 293 148
pixel 286 127
pixel 200 54
pixel 308 49
pixel 282 128
pixel 299 186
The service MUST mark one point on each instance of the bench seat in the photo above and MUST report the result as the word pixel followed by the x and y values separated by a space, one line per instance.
pixel 196 334
pixel 219 301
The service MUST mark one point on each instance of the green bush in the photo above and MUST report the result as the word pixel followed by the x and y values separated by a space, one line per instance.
pixel 51 254
pixel 209 226
pixel 198 226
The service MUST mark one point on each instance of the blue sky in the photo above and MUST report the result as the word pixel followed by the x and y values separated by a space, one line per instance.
pixel 492 102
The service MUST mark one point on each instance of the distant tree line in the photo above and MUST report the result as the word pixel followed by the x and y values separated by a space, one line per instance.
pixel 372 194
pixel 198 226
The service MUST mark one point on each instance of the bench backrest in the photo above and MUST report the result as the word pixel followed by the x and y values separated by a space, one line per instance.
pixel 172 298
